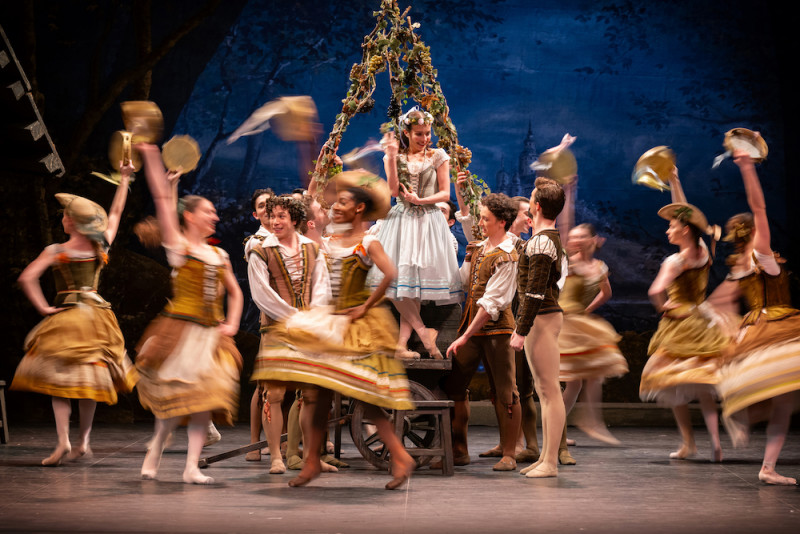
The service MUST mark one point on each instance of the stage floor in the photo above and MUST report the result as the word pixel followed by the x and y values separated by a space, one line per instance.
pixel 633 488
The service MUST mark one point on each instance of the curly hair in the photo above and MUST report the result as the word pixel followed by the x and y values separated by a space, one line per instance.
pixel 294 206
pixel 502 207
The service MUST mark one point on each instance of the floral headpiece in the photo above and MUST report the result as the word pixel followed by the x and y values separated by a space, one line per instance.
pixel 407 121
pixel 683 214
pixel 739 231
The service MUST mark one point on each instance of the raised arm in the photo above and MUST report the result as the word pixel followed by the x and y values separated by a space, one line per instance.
pixel 118 204
pixel 755 199
pixel 166 209
pixel 675 187
pixel 391 149
pixel 566 219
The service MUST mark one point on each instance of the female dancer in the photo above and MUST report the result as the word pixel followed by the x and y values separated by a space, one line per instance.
pixel 188 362
pixel 588 343
pixel 415 234
pixel 761 378
pixel 77 351
pixel 355 356
pixel 685 351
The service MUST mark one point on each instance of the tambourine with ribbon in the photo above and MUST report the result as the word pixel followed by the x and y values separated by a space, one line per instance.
pixel 742 139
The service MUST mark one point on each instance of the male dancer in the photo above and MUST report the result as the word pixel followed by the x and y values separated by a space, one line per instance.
pixel 489 273
pixel 287 272
pixel 539 319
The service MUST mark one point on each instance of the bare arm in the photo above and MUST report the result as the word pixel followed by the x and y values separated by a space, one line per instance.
pixel 602 297
pixel 755 199
pixel 566 219
pixel 658 289
pixel 29 282
pixel 166 210
pixel 391 149
pixel 675 187
pixel 230 326
pixel 118 204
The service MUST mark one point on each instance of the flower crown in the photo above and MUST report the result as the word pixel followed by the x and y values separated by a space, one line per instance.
pixel 407 121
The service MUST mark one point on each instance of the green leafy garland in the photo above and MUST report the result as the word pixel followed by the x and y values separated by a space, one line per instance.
pixel 388 46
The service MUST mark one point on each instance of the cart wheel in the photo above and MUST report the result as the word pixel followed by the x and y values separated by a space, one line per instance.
pixel 418 430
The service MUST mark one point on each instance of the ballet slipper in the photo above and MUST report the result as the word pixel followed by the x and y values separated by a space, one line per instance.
pixel 294 462
pixel 542 472
pixel 534 465
pixel 212 435
pixel 600 433
pixel 334 461
pixel 253 456
pixel 506 463
pixel 401 472
pixel 527 455
pixel 494 452
pixel 55 459
pixel 194 476
pixel 767 475
pixel 325 467
pixel 433 350
pixel 686 451
pixel 84 451
pixel 565 458
pixel 277 467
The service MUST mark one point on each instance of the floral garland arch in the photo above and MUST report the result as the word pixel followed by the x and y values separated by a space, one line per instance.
pixel 390 45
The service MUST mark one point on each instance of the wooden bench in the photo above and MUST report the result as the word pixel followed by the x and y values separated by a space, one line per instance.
pixel 440 409
pixel 3 417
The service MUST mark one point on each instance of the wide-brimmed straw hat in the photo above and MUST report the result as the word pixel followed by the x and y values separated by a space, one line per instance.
pixel 690 214
pixel 375 187
pixel 89 218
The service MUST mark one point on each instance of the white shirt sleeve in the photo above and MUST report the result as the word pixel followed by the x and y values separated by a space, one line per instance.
pixel 266 298
pixel 321 282
pixel 769 263
pixel 500 290
pixel 467 223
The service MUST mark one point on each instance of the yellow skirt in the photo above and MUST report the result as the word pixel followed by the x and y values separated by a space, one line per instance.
pixel 188 368
pixel 764 363
pixel 358 363
pixel 588 346
pixel 78 353
pixel 685 358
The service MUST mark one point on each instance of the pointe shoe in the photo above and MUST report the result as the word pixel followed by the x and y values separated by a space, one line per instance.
pixel 80 452
pixel 565 458
pixel 194 476
pixel 405 354
pixel 494 452
pixel 683 453
pixel 300 481
pixel 212 435
pixel 55 459
pixel 769 476
pixel 506 463
pixel 527 455
pixel 294 462
pixel 277 467
pixel 401 473
pixel 433 350
pixel 253 456
pixel 149 470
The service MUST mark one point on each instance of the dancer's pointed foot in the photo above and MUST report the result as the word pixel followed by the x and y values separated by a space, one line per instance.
pixel 309 472
pixel 151 462
pixel 600 433
pixel 716 454
pixel 506 463
pixel 430 346
pixel 194 476
pixel 565 458
pixel 401 471
pixel 62 449
pixel 494 452
pixel 277 467
pixel 405 354
pixel 80 452
pixel 542 471
pixel 767 475
pixel 212 435
pixel 686 451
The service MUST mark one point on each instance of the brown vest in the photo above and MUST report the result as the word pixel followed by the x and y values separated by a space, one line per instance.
pixel 280 281
pixel 482 267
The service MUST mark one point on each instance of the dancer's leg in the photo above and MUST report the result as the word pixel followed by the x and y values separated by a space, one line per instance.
pixel 684 420
pixel 294 436
pixel 541 348
pixel 777 428
pixel 570 394
pixel 409 310
pixel 62 409
pixel 196 431
pixel 591 420
pixel 86 409
pixel 274 426
pixel 402 462
pixel 709 408
pixel 163 428
pixel 256 411
pixel 313 419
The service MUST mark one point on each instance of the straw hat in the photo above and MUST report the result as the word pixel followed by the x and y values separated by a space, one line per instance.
pixel 690 214
pixel 89 218
pixel 375 187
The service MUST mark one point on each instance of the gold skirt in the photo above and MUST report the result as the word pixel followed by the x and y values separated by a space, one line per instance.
pixel 358 363
pixel 188 368
pixel 685 358
pixel 78 353
pixel 588 346
pixel 762 364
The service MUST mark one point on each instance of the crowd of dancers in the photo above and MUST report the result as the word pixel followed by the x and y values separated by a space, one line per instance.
pixel 323 280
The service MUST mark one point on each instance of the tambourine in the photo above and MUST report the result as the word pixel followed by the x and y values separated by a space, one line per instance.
pixel 298 121
pixel 557 163
pixel 654 168
pixel 143 119
pixel 747 141
pixel 120 149
pixel 181 152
